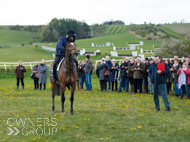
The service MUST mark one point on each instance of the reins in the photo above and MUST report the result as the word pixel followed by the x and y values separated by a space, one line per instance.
pixel 70 62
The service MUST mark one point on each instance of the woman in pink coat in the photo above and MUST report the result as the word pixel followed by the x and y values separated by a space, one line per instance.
pixel 184 80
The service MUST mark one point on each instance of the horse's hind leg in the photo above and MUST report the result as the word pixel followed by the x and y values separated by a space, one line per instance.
pixel 72 98
pixel 53 96
pixel 63 87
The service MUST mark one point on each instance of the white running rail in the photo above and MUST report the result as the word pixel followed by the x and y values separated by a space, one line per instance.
pixel 26 64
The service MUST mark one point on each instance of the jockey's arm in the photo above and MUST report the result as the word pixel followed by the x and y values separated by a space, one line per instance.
pixel 61 44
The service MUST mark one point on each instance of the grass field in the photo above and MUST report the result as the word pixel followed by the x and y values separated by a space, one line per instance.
pixel 15 38
pixel 25 53
pixel 112 30
pixel 169 31
pixel 99 116
pixel 183 28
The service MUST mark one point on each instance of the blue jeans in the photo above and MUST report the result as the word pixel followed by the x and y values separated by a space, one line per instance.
pixel 163 91
pixel 109 85
pixel 88 81
pixel 150 85
pixel 138 85
pixel 186 88
pixel 176 88
pixel 124 82
pixel 146 84
pixel 83 81
pixel 79 81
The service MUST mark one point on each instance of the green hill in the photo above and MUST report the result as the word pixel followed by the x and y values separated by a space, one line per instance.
pixel 15 38
pixel 117 35
pixel 182 28
pixel 112 30
pixel 168 31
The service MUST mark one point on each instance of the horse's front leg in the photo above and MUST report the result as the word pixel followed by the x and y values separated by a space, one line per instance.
pixel 72 97
pixel 53 96
pixel 63 87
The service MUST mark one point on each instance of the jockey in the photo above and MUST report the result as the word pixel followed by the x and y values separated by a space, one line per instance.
pixel 61 48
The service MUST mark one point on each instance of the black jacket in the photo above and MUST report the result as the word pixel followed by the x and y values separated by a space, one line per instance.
pixel 147 67
pixel 79 70
pixel 124 70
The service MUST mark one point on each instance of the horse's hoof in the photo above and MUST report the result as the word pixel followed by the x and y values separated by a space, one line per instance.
pixel 53 111
pixel 63 113
pixel 72 113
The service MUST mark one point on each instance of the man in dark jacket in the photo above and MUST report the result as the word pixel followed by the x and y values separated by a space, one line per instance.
pixel 60 49
pixel 124 82
pixel 158 78
pixel 149 77
pixel 98 70
pixel 88 72
pixel 83 74
pixel 114 74
pixel 108 62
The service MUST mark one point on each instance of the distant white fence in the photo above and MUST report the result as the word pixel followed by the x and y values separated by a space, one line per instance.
pixel 26 64
pixel 102 45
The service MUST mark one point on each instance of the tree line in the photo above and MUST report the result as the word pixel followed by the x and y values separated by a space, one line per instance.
pixel 58 28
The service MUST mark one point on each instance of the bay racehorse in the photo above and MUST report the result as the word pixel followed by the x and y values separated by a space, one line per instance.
pixel 67 77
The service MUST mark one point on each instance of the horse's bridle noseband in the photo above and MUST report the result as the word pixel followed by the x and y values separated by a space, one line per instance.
pixel 70 58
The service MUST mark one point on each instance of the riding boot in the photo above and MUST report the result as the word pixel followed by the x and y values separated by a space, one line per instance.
pixel 54 74
pixel 81 88
pixel 78 87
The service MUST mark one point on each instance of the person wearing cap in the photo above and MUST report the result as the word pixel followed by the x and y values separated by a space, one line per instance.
pixel 88 73
pixel 60 49
pixel 103 79
pixel 184 80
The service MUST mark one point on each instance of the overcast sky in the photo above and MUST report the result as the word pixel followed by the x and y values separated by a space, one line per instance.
pixel 38 12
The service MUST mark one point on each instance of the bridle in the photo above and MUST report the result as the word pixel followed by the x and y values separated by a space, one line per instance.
pixel 70 58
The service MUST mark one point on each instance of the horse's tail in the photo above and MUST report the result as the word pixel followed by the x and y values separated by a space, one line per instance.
pixel 57 89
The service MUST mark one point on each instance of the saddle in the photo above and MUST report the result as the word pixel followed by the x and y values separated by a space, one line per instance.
pixel 57 69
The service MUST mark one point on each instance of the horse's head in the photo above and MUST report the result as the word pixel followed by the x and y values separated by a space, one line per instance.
pixel 71 50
